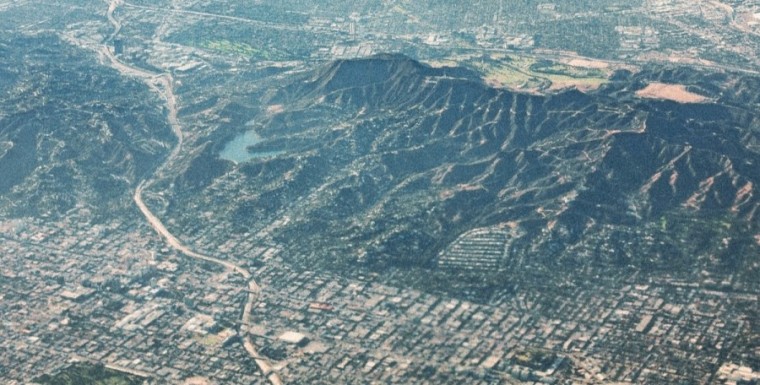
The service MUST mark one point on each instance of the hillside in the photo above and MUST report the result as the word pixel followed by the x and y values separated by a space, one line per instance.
pixel 74 134
pixel 389 163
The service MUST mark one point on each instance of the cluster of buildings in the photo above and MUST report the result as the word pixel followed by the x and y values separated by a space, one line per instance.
pixel 116 297
pixel 73 294
pixel 484 249
pixel 630 32
pixel 113 293
pixel 621 332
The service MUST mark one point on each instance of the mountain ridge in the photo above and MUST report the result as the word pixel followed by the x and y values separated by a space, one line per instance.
pixel 77 137
pixel 392 170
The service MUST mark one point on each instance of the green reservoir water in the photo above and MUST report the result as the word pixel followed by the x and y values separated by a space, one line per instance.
pixel 236 150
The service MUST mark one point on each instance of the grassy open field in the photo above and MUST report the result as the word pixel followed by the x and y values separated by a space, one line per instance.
pixel 239 48
pixel 530 74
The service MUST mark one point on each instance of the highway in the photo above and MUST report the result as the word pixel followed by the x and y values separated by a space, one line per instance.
pixel 163 85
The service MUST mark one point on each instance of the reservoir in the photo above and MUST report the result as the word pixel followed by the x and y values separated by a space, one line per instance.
pixel 236 150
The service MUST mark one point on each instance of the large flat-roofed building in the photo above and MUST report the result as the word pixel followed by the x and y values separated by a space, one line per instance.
pixel 294 338
pixel 79 294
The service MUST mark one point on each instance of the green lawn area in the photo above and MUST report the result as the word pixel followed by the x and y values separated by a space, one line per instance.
pixel 529 73
pixel 239 48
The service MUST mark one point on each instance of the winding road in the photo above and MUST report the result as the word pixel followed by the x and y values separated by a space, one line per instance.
pixel 162 83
